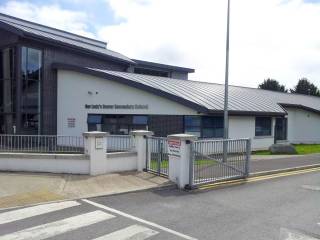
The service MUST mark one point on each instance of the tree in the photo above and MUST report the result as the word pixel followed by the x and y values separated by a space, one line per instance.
pixel 273 85
pixel 304 86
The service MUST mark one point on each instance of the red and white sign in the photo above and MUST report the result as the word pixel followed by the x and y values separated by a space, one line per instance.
pixel 174 147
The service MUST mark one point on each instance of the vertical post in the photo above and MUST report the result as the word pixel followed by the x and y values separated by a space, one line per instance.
pixel 19 84
pixel 191 165
pixel 226 91
pixel 147 154
pixel 160 144
pixel 248 157
pixel 180 158
pixel 141 147
pixel 95 145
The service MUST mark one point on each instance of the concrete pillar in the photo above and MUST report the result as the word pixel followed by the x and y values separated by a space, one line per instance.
pixel 140 143
pixel 179 147
pixel 95 146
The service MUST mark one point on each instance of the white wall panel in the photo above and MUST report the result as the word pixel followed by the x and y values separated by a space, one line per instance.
pixel 303 126
pixel 73 95
pixel 244 127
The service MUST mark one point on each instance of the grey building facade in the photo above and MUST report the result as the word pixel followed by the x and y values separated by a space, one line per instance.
pixel 54 82
pixel 29 82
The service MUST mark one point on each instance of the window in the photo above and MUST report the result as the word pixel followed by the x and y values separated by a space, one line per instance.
pixel 117 124
pixel 212 127
pixel 31 65
pixel 7 91
pixel 192 125
pixel 263 126
pixel 140 120
pixel 151 72
pixel 205 126
pixel 94 119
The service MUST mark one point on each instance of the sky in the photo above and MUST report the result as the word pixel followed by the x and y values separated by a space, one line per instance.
pixel 277 39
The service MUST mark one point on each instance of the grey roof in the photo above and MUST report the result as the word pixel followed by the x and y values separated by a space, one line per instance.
pixel 36 30
pixel 209 97
pixel 163 66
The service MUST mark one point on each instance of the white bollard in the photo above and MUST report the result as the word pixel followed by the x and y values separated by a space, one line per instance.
pixel 140 142
pixel 95 146
pixel 179 147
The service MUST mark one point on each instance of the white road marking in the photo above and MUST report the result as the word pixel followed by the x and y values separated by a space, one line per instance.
pixel 133 232
pixel 310 187
pixel 139 219
pixel 55 228
pixel 20 214
pixel 288 234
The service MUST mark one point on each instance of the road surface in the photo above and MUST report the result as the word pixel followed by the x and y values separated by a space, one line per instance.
pixel 281 208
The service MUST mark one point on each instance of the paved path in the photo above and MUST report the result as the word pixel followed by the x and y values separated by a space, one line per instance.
pixel 267 163
pixel 19 189
pixel 280 209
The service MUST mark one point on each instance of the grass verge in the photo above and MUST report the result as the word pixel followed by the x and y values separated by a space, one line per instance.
pixel 301 149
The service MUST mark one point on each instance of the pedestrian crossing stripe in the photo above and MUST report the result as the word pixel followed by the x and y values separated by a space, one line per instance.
pixel 59 227
pixel 24 213
pixel 132 232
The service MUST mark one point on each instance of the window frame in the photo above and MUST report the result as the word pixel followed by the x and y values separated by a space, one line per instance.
pixel 13 88
pixel 24 111
pixel 213 126
pixel 204 126
pixel 122 122
pixel 262 134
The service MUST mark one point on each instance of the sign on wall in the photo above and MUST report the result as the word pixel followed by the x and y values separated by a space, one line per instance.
pixel 99 142
pixel 117 106
pixel 174 147
pixel 71 122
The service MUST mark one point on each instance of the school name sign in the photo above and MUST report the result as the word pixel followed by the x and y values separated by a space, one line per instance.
pixel 117 106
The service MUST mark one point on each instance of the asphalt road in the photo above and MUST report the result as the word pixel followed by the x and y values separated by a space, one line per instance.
pixel 257 210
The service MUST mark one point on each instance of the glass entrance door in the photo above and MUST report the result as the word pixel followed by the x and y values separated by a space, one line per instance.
pixel 281 129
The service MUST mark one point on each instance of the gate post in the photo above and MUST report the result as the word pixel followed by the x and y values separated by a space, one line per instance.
pixel 140 143
pixel 248 156
pixel 95 145
pixel 180 158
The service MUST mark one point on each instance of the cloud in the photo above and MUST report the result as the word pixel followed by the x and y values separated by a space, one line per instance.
pixel 50 15
pixel 269 38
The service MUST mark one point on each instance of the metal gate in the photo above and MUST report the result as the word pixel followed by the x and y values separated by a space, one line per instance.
pixel 208 164
pixel 157 156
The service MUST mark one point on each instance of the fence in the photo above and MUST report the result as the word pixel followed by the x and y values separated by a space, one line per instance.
pixel 119 143
pixel 41 144
pixel 208 163
pixel 157 155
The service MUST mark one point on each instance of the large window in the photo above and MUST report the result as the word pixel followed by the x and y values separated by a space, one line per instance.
pixel 212 127
pixel 205 126
pixel 31 66
pixel 263 126
pixel 192 125
pixel 7 91
pixel 117 124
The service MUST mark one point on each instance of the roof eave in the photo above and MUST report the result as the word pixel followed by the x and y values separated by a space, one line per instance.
pixel 248 113
pixel 62 44
pixel 299 106
pixel 11 29
pixel 164 66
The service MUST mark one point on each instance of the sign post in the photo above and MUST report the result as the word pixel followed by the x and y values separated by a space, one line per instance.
pixel 179 148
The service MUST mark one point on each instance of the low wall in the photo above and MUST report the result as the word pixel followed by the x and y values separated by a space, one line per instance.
pixel 65 163
pixel 53 163
pixel 121 161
